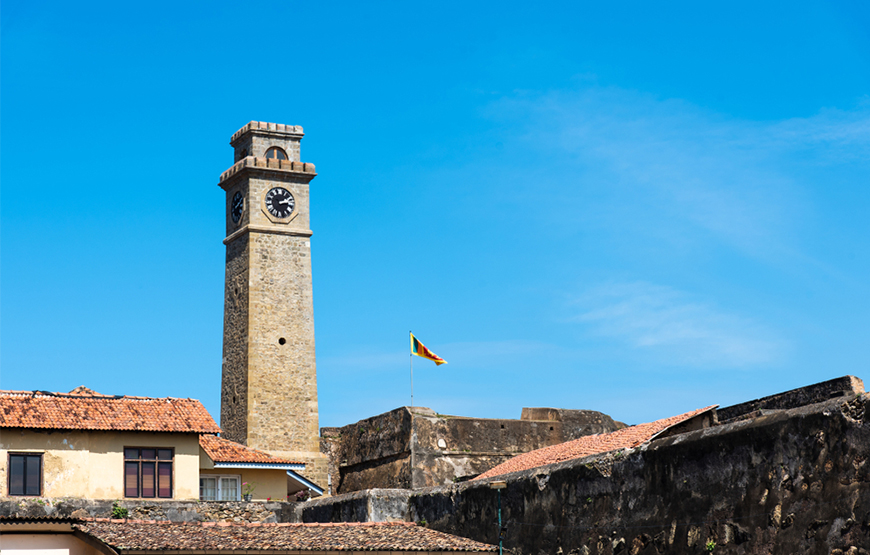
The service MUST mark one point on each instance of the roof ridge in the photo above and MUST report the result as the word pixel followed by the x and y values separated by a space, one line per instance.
pixel 98 396
pixel 64 411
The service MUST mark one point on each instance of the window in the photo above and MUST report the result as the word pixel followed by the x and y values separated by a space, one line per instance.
pixel 275 152
pixel 25 474
pixel 219 488
pixel 147 472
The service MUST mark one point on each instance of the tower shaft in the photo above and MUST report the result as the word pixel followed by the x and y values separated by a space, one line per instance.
pixel 269 376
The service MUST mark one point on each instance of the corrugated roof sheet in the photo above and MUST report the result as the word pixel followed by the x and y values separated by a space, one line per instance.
pixel 590 445
pixel 224 450
pixel 83 409
pixel 224 536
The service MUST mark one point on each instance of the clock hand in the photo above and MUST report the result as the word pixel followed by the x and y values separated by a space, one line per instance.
pixel 285 201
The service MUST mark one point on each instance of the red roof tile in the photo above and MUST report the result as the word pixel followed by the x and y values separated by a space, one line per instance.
pixel 83 409
pixel 224 450
pixel 590 445
pixel 223 536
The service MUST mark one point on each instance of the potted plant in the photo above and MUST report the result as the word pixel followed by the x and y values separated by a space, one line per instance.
pixel 303 495
pixel 248 490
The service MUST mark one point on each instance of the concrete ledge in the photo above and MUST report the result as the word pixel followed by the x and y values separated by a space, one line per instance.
pixel 373 505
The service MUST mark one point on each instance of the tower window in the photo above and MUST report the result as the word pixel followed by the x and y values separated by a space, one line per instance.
pixel 281 341
pixel 275 152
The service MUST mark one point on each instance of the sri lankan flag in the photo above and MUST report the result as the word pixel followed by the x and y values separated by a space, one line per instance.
pixel 420 350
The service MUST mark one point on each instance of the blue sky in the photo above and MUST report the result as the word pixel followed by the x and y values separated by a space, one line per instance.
pixel 623 207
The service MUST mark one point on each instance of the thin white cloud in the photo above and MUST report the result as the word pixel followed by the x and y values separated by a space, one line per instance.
pixel 675 327
pixel 683 169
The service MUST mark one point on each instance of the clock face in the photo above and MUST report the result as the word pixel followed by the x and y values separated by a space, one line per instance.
pixel 237 207
pixel 280 202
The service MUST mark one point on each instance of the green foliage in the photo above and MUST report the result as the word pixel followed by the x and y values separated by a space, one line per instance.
pixel 119 511
pixel 711 545
pixel 249 487
pixel 422 522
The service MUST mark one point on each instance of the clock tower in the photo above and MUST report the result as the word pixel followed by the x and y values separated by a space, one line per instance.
pixel 269 378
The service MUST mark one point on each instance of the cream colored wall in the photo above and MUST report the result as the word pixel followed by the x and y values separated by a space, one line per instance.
pixel 269 483
pixel 44 544
pixel 90 464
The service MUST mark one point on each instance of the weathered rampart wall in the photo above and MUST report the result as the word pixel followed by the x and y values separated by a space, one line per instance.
pixel 795 481
pixel 415 447
pixel 802 396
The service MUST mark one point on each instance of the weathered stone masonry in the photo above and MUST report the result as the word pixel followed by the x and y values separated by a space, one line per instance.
pixel 415 447
pixel 793 481
pixel 269 378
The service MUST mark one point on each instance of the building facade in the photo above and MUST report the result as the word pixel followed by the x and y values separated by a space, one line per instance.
pixel 88 445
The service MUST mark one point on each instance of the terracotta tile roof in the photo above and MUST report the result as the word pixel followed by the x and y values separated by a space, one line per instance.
pixel 83 409
pixel 224 450
pixel 590 445
pixel 138 535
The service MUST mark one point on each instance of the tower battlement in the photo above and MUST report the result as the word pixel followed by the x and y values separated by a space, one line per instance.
pixel 268 163
pixel 266 127
pixel 257 137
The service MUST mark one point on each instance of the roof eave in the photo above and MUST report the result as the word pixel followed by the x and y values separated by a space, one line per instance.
pixel 260 466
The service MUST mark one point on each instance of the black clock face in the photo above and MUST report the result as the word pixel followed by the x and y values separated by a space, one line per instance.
pixel 237 207
pixel 280 202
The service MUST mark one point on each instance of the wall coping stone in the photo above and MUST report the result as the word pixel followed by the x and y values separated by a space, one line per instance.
pixel 793 398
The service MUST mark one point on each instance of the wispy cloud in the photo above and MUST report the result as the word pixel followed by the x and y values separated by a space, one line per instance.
pixel 684 169
pixel 675 327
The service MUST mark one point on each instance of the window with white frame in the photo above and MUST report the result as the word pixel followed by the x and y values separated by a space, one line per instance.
pixel 219 488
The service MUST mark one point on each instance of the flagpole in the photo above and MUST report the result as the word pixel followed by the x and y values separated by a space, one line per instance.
pixel 411 357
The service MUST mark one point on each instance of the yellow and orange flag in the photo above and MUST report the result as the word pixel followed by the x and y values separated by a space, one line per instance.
pixel 420 350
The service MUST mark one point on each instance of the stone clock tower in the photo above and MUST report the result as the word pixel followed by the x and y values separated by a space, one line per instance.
pixel 269 381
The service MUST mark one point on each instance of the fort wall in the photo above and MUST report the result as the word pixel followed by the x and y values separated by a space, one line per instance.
pixel 792 481
pixel 414 447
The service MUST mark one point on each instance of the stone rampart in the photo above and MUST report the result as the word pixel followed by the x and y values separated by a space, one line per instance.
pixel 794 481
pixel 415 447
